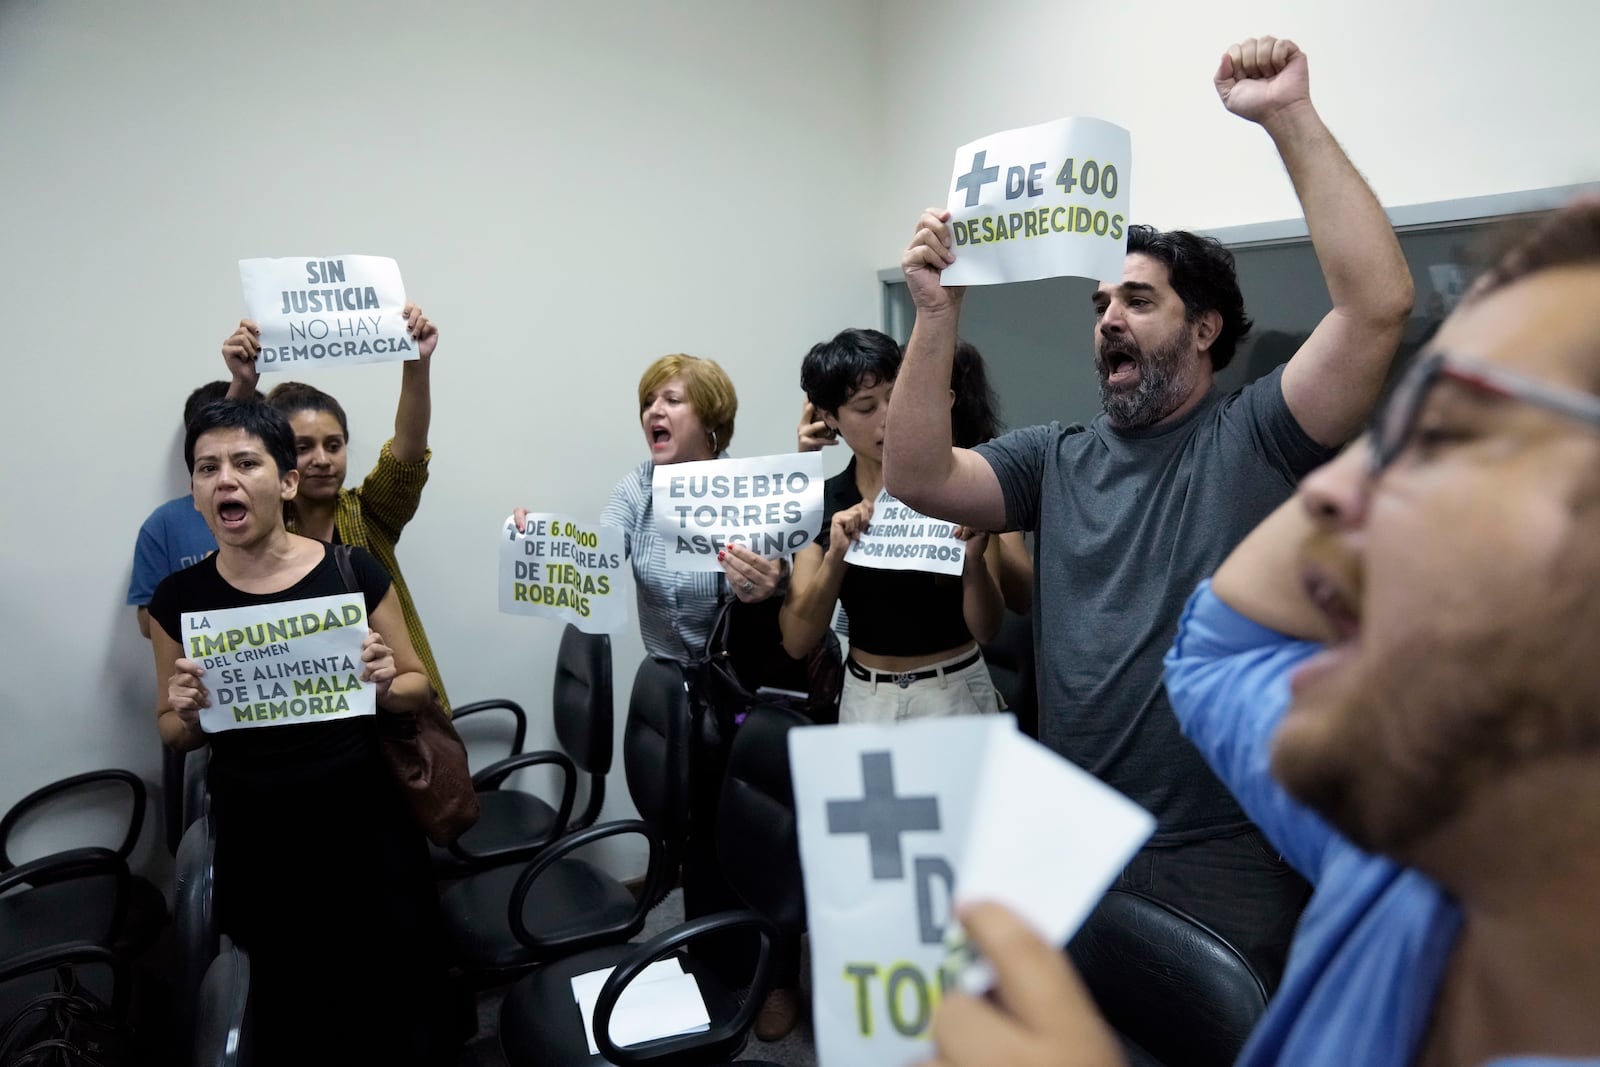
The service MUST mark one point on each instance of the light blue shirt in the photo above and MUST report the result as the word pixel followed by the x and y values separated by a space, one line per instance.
pixel 1371 948
pixel 175 536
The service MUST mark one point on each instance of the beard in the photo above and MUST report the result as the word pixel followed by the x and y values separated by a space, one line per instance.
pixel 1164 382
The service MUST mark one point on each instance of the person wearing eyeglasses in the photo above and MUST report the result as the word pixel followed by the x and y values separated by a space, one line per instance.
pixel 1130 513
pixel 1396 676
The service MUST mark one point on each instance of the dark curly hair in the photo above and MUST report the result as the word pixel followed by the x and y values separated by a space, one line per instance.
pixel 1204 277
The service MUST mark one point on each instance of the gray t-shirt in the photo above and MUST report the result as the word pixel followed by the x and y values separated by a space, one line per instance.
pixel 1127 525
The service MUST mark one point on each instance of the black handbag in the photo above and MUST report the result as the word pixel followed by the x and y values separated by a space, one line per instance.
pixel 425 755
pixel 69 1027
pixel 744 664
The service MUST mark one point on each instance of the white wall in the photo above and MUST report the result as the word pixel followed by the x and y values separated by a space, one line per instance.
pixel 571 190
pixel 1433 100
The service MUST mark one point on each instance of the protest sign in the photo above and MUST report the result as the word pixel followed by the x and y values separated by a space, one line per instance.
pixel 771 505
pixel 563 569
pixel 900 822
pixel 1041 202
pixel 326 312
pixel 281 664
pixel 900 539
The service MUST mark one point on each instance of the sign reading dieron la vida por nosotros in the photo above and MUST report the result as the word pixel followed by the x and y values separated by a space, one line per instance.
pixel 1044 201
pixel 326 311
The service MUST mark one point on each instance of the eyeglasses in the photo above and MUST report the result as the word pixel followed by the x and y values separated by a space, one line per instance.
pixel 1398 418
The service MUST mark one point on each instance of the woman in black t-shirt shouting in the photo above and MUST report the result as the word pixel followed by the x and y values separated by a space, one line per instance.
pixel 320 874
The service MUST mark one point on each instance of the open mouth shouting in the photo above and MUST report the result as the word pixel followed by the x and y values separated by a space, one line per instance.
pixel 1119 365
pixel 660 437
pixel 1335 601
pixel 232 514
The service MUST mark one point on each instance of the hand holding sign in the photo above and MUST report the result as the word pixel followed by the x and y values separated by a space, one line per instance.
pixel 1261 77
pixel 377 665
pixel 900 823
pixel 924 261
pixel 239 353
pixel 1042 1016
pixel 751 577
pixel 422 330
pixel 186 693
pixel 848 526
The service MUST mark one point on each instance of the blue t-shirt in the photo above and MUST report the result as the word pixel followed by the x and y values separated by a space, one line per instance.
pixel 1371 948
pixel 172 538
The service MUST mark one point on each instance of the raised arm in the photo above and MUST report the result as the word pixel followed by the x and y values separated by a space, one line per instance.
pixel 415 409
pixel 1333 382
pixel 920 465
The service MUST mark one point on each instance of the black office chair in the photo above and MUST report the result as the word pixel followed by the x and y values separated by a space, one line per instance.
pixel 222 1013
pixel 1009 655
pixel 514 825
pixel 1173 989
pixel 502 921
pixel 196 940
pixel 540 1024
pixel 81 894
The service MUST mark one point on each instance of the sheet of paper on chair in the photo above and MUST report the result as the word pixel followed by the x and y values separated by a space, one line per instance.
pixel 661 1001
pixel 1047 839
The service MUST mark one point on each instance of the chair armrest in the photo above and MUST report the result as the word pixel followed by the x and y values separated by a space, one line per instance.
pixel 78 781
pixel 494 775
pixel 78 952
pixel 659 947
pixel 518 737
pixel 557 851
pixel 74 864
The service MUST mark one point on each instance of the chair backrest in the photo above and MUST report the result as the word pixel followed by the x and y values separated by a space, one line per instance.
pixel 581 700
pixel 1167 981
pixel 758 844
pixel 80 783
pixel 222 1013
pixel 195 935
pixel 1011 666
pixel 655 750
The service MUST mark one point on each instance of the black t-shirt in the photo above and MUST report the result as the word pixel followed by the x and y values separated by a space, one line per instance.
pixel 893 613
pixel 297 748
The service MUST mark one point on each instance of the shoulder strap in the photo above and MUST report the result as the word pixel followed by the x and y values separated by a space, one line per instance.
pixel 341 556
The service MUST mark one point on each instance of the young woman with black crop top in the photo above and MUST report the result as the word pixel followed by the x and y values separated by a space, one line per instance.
pixel 913 634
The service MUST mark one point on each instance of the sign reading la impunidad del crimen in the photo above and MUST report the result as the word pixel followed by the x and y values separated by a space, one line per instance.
pixel 281 664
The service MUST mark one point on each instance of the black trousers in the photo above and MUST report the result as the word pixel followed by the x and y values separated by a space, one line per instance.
pixel 1239 886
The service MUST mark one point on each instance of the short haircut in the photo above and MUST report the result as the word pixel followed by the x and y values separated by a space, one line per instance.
pixel 1202 273
pixel 975 414
pixel 707 386
pixel 255 417
pixel 208 393
pixel 851 360
pixel 291 397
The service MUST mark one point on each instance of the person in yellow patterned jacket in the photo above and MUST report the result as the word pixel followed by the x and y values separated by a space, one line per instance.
pixel 374 514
